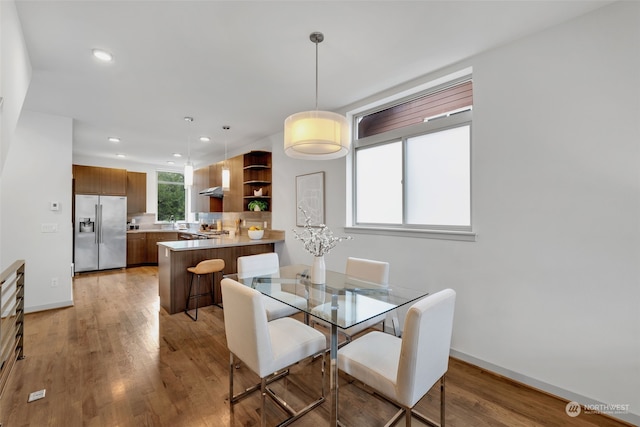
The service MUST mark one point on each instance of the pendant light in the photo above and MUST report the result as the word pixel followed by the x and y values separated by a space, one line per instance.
pixel 188 167
pixel 316 135
pixel 226 174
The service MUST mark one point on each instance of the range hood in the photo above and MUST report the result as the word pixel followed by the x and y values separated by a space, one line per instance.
pixel 213 192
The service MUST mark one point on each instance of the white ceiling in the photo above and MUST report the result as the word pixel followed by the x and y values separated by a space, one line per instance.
pixel 246 64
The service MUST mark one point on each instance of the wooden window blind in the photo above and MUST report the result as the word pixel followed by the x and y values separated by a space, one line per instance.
pixel 417 110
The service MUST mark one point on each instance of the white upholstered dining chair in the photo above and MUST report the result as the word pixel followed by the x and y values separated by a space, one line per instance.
pixel 364 269
pixel 403 370
pixel 267 348
pixel 269 263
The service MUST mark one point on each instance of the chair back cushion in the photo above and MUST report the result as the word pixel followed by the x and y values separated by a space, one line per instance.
pixel 369 270
pixel 259 265
pixel 245 324
pixel 426 340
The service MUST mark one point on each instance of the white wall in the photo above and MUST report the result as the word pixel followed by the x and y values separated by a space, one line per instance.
pixel 549 294
pixel 38 171
pixel 15 75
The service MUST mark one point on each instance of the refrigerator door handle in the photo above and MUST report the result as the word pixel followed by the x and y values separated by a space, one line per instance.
pixel 97 225
pixel 101 239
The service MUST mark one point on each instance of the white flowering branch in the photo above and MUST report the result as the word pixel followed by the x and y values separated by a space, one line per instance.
pixel 318 241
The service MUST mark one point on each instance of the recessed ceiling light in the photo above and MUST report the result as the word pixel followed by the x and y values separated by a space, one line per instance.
pixel 114 139
pixel 177 155
pixel 120 155
pixel 205 139
pixel 171 162
pixel 102 55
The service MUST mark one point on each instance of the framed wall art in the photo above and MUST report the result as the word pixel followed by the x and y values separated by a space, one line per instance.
pixel 310 197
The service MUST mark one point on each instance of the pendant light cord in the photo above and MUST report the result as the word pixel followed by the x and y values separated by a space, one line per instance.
pixel 316 37
pixel 316 42
pixel 189 120
pixel 226 128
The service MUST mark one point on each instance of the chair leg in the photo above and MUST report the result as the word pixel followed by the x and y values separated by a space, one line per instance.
pixel 231 366
pixel 265 391
pixel 211 290
pixel 426 420
pixel 410 412
pixel 442 401
pixel 395 418
pixel 186 309
pixel 236 398
pixel 263 395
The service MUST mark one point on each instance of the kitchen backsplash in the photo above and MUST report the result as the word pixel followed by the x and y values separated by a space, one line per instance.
pixel 147 221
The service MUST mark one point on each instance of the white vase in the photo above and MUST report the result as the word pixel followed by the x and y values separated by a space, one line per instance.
pixel 318 270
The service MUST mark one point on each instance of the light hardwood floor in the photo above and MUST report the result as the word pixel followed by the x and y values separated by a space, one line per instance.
pixel 117 359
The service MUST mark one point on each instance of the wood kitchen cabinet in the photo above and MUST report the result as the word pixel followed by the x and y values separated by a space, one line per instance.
pixel 201 181
pixel 136 249
pixel 256 176
pixel 142 247
pixel 233 201
pixel 153 237
pixel 249 172
pixel 136 192
pixel 215 180
pixel 98 180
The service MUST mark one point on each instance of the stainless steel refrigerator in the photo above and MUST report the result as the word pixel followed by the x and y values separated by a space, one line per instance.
pixel 100 232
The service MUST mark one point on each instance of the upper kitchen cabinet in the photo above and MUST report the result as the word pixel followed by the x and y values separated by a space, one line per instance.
pixel 204 178
pixel 101 181
pixel 232 201
pixel 136 192
pixel 257 178
pixel 215 180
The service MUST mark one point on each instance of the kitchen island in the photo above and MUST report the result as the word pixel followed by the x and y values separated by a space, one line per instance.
pixel 175 257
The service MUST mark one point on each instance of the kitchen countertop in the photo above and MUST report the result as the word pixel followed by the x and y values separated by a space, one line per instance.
pixel 222 242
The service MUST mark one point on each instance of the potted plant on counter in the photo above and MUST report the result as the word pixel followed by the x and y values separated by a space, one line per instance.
pixel 258 205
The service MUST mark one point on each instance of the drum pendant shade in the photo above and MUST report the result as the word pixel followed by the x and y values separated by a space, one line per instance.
pixel 316 134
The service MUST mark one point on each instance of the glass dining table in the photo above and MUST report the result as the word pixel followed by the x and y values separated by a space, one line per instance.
pixel 342 301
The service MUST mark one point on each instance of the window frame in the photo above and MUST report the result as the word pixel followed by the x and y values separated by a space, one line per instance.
pixel 458 119
pixel 186 194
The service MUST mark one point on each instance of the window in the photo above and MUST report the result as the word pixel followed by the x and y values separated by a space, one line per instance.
pixel 171 196
pixel 412 163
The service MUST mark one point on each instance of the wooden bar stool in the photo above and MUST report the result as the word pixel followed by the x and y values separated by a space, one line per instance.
pixel 208 266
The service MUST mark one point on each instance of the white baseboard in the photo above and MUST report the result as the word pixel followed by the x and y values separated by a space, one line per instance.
pixel 45 307
pixel 541 385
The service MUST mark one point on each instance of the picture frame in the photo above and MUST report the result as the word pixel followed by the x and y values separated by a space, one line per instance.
pixel 310 196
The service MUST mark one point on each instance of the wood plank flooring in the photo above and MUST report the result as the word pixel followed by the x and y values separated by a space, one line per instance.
pixel 117 359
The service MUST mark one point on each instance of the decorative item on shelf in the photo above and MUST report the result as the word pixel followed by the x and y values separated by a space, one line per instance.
pixel 258 205
pixel 258 192
pixel 316 135
pixel 255 233
pixel 318 241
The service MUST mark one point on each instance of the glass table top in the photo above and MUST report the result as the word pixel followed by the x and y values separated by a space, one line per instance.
pixel 342 300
